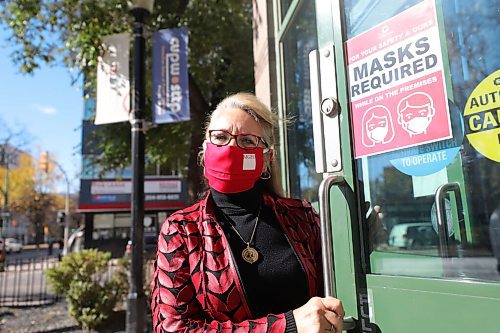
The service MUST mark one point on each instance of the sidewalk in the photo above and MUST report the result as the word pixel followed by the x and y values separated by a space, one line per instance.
pixel 50 319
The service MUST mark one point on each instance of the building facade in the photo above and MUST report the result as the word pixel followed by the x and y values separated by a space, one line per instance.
pixel 105 197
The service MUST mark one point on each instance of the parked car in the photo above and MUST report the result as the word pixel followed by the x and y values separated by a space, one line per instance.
pixel 12 245
pixel 412 235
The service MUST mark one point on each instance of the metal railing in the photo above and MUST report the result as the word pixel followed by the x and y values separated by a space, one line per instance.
pixel 23 282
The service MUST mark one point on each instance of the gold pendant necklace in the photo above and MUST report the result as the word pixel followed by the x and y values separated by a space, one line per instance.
pixel 249 254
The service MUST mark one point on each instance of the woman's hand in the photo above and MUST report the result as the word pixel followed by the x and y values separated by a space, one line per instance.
pixel 319 315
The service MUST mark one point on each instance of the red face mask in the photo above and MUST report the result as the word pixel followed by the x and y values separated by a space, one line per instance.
pixel 231 169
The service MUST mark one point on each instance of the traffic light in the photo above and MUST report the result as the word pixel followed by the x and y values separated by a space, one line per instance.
pixel 61 217
pixel 44 162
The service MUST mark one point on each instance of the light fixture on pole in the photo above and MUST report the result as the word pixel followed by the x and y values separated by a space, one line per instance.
pixel 136 303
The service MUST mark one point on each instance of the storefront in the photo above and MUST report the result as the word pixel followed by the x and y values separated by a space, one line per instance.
pixel 396 104
pixel 106 207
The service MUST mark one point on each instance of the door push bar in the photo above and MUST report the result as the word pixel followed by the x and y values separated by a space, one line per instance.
pixel 442 223
pixel 327 242
pixel 325 110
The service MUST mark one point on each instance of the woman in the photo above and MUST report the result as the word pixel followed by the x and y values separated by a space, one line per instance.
pixel 242 259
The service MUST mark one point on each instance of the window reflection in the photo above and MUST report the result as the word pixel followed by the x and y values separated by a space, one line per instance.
pixel 298 41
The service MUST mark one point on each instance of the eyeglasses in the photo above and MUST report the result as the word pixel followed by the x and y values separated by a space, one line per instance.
pixel 245 141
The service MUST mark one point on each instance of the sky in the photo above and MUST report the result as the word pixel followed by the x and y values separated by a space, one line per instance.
pixel 47 108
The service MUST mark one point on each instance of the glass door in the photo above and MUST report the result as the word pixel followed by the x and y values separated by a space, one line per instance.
pixel 406 100
pixel 425 125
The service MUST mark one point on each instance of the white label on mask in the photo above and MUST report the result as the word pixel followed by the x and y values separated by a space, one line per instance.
pixel 249 162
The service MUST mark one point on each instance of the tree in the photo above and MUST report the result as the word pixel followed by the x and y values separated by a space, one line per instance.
pixel 13 166
pixel 11 156
pixel 30 196
pixel 21 179
pixel 26 189
pixel 69 32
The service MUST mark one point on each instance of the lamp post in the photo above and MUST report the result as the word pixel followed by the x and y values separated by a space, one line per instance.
pixel 45 161
pixel 66 210
pixel 4 216
pixel 136 302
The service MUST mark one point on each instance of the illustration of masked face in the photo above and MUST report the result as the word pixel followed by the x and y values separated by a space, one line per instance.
pixel 416 119
pixel 377 128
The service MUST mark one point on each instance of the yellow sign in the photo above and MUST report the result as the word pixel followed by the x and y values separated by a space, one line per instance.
pixel 482 117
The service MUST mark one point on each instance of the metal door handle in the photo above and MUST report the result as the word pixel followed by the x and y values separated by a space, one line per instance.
pixel 326 234
pixel 441 217
pixel 327 243
pixel 349 324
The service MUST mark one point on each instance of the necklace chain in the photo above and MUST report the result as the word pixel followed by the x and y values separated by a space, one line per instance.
pixel 249 254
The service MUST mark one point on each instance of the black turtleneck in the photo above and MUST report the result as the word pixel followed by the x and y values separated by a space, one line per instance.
pixel 276 283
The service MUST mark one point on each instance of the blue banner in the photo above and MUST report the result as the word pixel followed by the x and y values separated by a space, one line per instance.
pixel 170 76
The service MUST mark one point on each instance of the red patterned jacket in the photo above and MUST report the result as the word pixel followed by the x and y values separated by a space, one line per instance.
pixel 196 287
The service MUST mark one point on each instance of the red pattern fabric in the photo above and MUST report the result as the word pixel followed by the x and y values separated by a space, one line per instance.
pixel 195 285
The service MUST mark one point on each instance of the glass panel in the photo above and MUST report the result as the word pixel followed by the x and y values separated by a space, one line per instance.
pixel 122 233
pixel 88 108
pixel 410 245
pixel 123 220
pixel 102 234
pixel 87 168
pixel 285 5
pixel 299 40
pixel 123 224
pixel 103 226
pixel 103 221
pixel 150 223
pixel 361 15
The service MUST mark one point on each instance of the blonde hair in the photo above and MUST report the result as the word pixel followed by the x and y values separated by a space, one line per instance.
pixel 267 119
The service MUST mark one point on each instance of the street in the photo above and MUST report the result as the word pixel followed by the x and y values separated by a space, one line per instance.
pixel 23 281
pixel 31 252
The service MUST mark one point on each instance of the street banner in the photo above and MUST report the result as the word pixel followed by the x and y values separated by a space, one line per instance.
pixel 396 83
pixel 170 76
pixel 113 83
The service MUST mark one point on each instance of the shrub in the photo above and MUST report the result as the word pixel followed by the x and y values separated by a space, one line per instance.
pixel 80 278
